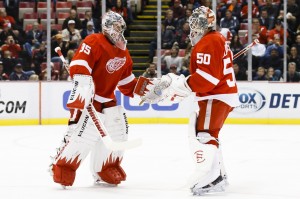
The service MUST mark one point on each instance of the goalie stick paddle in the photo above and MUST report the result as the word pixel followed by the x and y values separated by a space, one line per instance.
pixel 108 142
pixel 140 90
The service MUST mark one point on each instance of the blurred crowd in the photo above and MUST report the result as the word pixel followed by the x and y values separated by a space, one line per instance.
pixel 23 48
pixel 232 22
pixel 23 53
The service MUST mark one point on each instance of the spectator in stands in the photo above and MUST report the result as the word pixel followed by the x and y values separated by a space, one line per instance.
pixel 266 20
pixel 270 76
pixel 18 73
pixel 89 29
pixel 54 73
pixel 33 77
pixel 170 58
pixel 3 75
pixel 178 10
pixel 150 71
pixel 244 11
pixel 7 31
pixel 122 10
pixel 188 13
pixel 261 32
pixel 274 61
pixel 8 62
pixel 71 36
pixel 260 74
pixel 33 38
pixel 293 14
pixel 292 74
pixel 11 46
pixel 109 4
pixel 235 44
pixel 230 22
pixel 278 31
pixel 185 69
pixel 235 9
pixel 4 18
pixel 239 72
pixel 192 4
pixel 64 75
pixel 275 45
pixel 297 43
pixel 272 9
pixel 170 23
pixel 58 42
pixel 88 18
pixel 294 57
pixel 173 69
pixel 73 16
pixel 39 56
pixel 70 55
pixel 182 36
pixel 167 40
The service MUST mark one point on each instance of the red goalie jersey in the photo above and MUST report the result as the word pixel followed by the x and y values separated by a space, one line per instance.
pixel 211 68
pixel 109 66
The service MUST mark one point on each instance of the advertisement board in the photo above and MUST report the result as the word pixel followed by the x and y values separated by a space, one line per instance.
pixel 19 103
pixel 45 103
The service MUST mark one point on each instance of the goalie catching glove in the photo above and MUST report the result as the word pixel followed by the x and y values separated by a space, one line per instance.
pixel 82 92
pixel 170 86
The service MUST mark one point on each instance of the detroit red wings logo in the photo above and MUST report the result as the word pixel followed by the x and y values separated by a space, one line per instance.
pixel 115 64
pixel 199 156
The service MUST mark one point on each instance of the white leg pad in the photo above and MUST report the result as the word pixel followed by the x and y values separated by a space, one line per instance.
pixel 115 122
pixel 205 157
pixel 79 139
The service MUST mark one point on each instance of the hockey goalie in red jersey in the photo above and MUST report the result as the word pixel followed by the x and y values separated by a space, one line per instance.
pixel 213 82
pixel 101 63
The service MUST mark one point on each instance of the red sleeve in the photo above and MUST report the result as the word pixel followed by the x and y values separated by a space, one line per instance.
pixel 128 80
pixel 85 57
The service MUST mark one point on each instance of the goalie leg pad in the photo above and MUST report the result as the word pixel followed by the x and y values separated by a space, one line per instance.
pixel 76 145
pixel 82 92
pixel 205 157
pixel 105 163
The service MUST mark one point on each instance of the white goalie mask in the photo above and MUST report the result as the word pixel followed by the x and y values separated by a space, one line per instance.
pixel 113 27
pixel 201 20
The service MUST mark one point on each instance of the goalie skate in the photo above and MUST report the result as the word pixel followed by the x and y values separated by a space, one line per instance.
pixel 216 186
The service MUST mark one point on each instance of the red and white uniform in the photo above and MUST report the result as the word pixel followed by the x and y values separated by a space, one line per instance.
pixel 109 66
pixel 213 81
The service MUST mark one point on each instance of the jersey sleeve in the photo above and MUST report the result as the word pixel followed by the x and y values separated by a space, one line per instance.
pixel 207 61
pixel 128 81
pixel 85 57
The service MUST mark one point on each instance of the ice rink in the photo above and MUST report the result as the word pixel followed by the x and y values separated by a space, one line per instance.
pixel 262 162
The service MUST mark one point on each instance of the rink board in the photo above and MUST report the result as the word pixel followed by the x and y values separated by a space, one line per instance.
pixel 45 103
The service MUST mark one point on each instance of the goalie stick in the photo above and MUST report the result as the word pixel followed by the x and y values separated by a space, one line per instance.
pixel 143 81
pixel 108 142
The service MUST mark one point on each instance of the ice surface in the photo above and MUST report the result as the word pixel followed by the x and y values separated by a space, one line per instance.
pixel 262 162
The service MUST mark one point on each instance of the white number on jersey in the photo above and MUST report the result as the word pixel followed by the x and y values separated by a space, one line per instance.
pixel 203 58
pixel 226 71
pixel 85 48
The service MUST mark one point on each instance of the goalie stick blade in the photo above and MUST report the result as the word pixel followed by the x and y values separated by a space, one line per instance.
pixel 120 146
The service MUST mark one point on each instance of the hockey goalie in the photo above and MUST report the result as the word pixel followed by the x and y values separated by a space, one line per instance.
pixel 212 80
pixel 101 63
